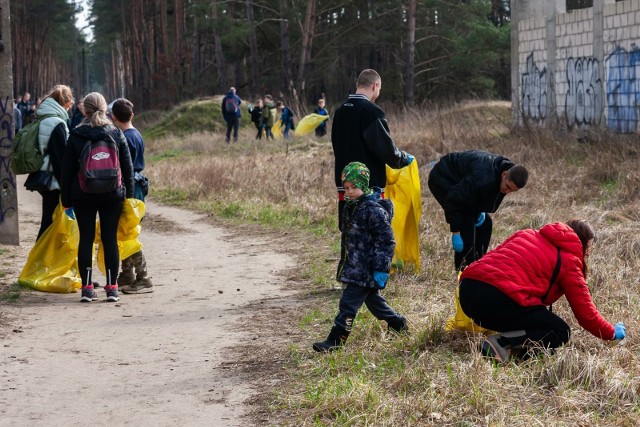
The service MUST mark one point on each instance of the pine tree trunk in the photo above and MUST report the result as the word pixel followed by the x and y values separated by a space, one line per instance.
pixel 410 72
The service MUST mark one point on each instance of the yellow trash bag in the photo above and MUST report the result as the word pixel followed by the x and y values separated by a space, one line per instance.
pixel 277 129
pixel 309 123
pixel 403 188
pixel 128 231
pixel 52 265
pixel 462 322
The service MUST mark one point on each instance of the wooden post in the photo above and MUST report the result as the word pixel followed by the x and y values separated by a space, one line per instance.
pixel 8 188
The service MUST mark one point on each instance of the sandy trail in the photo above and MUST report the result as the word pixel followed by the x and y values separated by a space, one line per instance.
pixel 159 359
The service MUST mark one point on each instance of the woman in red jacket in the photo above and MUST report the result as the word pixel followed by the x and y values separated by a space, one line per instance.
pixel 509 288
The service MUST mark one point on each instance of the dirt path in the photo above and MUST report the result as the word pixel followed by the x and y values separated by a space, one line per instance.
pixel 161 359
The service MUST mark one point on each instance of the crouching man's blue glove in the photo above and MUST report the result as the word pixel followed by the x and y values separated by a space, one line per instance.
pixel 480 219
pixel 410 159
pixel 621 331
pixel 380 278
pixel 456 243
pixel 70 213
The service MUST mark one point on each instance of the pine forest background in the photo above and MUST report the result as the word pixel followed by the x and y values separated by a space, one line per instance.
pixel 161 52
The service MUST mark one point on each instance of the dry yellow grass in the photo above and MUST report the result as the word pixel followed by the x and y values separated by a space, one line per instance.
pixel 431 377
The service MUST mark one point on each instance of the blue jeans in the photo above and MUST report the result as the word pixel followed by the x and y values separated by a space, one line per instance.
pixel 352 299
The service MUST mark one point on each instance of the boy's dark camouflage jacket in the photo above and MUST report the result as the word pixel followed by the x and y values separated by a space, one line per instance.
pixel 367 240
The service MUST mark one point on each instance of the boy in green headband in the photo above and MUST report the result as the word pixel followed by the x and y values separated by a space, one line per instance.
pixel 367 247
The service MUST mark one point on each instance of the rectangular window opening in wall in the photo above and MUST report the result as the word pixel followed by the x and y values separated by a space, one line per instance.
pixel 578 4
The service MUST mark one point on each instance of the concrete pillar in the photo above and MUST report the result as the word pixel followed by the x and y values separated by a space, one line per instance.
pixel 598 51
pixel 552 110
pixel 515 68
pixel 8 193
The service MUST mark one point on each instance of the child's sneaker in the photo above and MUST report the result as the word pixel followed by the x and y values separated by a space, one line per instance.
pixel 88 294
pixel 112 293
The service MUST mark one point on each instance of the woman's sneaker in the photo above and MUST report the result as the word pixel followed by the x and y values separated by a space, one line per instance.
pixel 88 294
pixel 112 293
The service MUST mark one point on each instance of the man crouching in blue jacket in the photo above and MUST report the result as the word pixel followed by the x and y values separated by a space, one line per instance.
pixel 367 247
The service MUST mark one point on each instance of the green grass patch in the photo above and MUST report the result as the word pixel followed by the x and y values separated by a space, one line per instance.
pixel 202 115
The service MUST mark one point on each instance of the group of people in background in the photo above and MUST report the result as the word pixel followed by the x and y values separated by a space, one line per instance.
pixel 508 290
pixel 64 141
pixel 23 110
pixel 265 113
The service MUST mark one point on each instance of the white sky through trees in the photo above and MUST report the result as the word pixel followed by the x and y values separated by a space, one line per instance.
pixel 82 19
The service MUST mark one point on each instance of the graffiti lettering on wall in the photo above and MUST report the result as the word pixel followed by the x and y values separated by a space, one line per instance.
pixel 534 91
pixel 623 89
pixel 583 102
pixel 7 180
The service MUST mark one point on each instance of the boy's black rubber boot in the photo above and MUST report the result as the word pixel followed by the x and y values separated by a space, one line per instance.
pixel 334 341
pixel 398 325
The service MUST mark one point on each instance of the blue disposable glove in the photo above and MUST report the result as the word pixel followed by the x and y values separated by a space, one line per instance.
pixel 456 243
pixel 380 278
pixel 480 219
pixel 410 159
pixel 621 331
pixel 70 213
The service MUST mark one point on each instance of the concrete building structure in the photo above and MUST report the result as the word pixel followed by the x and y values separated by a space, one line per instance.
pixel 578 69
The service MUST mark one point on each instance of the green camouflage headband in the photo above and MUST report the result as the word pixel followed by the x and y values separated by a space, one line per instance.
pixel 358 174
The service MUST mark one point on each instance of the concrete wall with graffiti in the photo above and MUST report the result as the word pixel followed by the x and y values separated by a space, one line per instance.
pixel 8 200
pixel 578 69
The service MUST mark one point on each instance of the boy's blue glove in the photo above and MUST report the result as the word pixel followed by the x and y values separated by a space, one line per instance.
pixel 456 243
pixel 480 219
pixel 410 158
pixel 70 213
pixel 380 278
pixel 621 331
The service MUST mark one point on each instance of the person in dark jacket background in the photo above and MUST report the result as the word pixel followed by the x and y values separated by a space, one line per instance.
pixel 231 113
pixel 256 117
pixel 469 185
pixel 365 257
pixel 96 126
pixel 360 133
pixel 509 288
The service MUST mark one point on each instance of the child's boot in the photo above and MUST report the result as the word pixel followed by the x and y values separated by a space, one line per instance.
pixel 334 341
pixel 398 324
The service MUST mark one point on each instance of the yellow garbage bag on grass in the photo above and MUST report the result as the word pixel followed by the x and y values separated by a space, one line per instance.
pixel 128 231
pixel 462 322
pixel 309 123
pixel 52 265
pixel 403 188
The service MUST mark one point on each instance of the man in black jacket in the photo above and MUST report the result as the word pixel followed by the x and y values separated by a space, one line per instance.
pixel 360 134
pixel 468 185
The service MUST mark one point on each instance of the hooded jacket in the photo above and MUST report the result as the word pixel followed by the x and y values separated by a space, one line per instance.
pixel 80 136
pixel 367 243
pixel 52 138
pixel 468 183
pixel 522 266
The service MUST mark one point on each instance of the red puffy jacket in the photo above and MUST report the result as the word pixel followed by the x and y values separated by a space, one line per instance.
pixel 522 266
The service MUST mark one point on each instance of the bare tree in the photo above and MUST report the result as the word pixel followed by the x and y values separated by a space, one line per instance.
pixel 409 74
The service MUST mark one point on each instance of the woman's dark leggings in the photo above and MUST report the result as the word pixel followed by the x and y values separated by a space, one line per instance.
pixel 109 213
pixel 50 200
pixel 490 308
